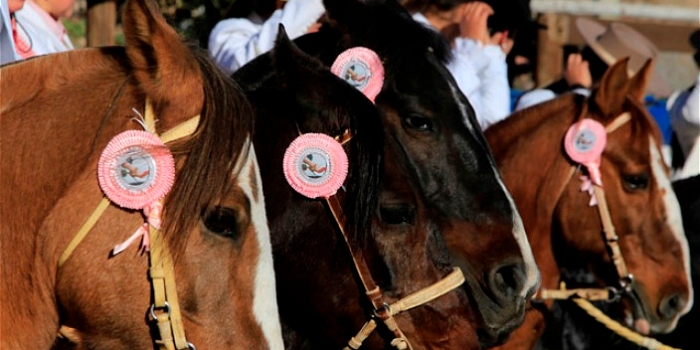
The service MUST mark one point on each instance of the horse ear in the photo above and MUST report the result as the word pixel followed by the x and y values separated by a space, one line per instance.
pixel 162 64
pixel 640 80
pixel 343 12
pixel 613 88
pixel 291 64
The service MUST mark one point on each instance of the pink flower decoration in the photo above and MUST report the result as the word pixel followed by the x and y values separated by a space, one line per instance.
pixel 362 68
pixel 315 165
pixel 584 143
pixel 135 169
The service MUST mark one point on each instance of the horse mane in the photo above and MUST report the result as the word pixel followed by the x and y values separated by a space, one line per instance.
pixel 388 28
pixel 521 124
pixel 210 155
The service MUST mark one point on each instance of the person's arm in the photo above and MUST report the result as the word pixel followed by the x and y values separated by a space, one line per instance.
pixel 533 97
pixel 691 109
pixel 7 45
pixel 578 75
pixel 494 89
pixel 466 77
pixel 488 59
pixel 236 41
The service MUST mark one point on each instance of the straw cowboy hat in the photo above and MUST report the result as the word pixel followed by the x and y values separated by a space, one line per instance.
pixel 617 41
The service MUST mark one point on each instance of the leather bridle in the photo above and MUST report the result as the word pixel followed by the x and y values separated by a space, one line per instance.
pixel 625 279
pixel 382 311
pixel 165 310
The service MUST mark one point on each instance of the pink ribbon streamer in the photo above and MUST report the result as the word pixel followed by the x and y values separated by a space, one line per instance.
pixel 587 186
pixel 153 218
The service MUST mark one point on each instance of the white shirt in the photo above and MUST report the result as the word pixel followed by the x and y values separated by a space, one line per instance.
pixel 7 45
pixel 236 41
pixel 537 96
pixel 38 29
pixel 481 72
pixel 684 112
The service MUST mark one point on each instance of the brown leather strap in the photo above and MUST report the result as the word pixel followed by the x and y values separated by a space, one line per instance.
pixel 596 294
pixel 611 240
pixel 371 289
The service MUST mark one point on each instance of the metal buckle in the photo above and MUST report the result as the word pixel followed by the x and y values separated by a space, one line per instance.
pixel 626 282
pixel 375 312
pixel 166 308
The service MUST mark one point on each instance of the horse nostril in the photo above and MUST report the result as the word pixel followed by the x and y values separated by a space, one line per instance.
pixel 672 305
pixel 507 281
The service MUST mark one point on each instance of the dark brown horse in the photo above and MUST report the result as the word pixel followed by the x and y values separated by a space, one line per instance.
pixel 58 114
pixel 631 244
pixel 434 126
pixel 323 303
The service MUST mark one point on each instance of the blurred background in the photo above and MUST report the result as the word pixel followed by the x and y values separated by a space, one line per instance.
pixel 668 23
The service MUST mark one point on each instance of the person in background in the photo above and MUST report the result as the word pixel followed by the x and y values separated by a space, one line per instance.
pixel 8 52
pixel 39 28
pixel 236 41
pixel 481 35
pixel 604 46
pixel 684 112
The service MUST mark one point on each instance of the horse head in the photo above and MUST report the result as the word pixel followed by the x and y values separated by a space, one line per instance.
pixel 595 196
pixel 212 254
pixel 387 222
pixel 433 124
pixel 642 206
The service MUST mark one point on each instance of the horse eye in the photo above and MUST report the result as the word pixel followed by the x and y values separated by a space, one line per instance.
pixel 418 122
pixel 636 182
pixel 223 222
pixel 395 215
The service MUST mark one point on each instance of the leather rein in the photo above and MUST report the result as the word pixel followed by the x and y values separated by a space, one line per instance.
pixel 383 311
pixel 625 279
pixel 165 309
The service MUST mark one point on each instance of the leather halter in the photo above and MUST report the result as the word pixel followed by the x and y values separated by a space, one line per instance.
pixel 381 309
pixel 626 279
pixel 161 271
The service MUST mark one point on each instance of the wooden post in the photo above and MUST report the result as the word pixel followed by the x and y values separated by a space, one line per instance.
pixel 550 51
pixel 101 22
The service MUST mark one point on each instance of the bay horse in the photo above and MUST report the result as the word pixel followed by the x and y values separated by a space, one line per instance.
pixel 59 112
pixel 321 298
pixel 626 239
pixel 433 124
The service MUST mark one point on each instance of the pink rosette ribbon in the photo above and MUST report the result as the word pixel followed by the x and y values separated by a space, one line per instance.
pixel 362 68
pixel 584 143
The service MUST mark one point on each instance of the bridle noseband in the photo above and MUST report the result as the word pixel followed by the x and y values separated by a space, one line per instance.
pixel 382 311
pixel 625 279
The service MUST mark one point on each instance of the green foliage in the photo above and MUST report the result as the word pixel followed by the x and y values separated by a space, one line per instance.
pixel 76 28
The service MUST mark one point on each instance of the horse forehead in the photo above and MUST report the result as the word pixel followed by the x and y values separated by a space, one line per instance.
pixel 264 295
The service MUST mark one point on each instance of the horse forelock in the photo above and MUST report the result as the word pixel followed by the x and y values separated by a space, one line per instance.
pixel 210 155
pixel 388 28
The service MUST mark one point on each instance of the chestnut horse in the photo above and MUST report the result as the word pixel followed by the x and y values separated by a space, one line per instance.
pixel 64 109
pixel 322 305
pixel 576 330
pixel 433 125
pixel 641 255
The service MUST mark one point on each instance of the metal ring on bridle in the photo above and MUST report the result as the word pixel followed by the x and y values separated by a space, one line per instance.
pixel 614 294
pixel 626 282
pixel 385 307
pixel 191 346
pixel 165 307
